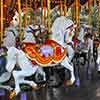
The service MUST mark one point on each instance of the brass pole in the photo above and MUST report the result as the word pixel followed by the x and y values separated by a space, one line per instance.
pixel 73 11
pixel 77 6
pixel 35 8
pixel 1 30
pixel 98 16
pixel 42 12
pixel 61 8
pixel 99 8
pixel 90 11
pixel 20 20
pixel 26 8
pixel 30 11
pixel 65 7
pixel 49 19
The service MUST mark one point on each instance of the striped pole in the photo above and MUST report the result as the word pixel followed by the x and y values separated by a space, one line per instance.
pixel 49 19
pixel 1 30
pixel 30 11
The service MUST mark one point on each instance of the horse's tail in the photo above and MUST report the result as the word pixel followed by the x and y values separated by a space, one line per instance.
pixel 2 64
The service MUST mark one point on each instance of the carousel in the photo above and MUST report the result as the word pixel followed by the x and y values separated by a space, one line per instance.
pixel 36 39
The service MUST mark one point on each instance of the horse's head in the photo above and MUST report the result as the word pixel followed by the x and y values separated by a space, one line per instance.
pixel 38 33
pixel 15 20
pixel 63 29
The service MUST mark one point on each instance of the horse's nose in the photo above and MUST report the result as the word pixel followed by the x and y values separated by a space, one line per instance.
pixel 11 23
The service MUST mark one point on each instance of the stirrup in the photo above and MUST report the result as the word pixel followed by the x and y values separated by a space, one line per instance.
pixel 68 83
pixel 12 94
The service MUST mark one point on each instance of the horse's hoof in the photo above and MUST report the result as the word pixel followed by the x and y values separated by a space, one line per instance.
pixel 68 83
pixel 35 87
pixel 44 85
pixel 12 94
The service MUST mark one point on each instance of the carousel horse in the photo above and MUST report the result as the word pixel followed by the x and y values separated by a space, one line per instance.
pixel 50 53
pixel 62 32
pixel 53 51
pixel 15 62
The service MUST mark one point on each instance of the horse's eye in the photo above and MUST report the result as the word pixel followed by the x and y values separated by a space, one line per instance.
pixel 15 19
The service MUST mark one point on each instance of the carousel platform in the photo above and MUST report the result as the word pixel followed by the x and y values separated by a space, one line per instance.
pixel 88 90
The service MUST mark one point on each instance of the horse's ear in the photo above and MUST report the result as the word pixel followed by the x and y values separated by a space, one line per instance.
pixel 16 13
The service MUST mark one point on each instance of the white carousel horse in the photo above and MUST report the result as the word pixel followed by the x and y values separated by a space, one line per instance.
pixel 62 30
pixel 62 33
pixel 15 56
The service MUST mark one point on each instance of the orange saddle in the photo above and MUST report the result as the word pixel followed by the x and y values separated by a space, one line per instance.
pixel 34 53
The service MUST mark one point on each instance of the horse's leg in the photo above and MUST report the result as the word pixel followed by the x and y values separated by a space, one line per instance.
pixel 40 70
pixel 11 59
pixel 7 87
pixel 66 64
pixel 19 78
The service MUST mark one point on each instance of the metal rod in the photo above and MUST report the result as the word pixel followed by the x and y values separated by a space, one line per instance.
pixel 35 8
pixel 61 8
pixel 1 30
pixel 65 7
pixel 20 20
pixel 89 7
pixel 26 8
pixel 42 12
pixel 45 12
pixel 99 7
pixel 77 6
pixel 49 19
pixel 30 11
